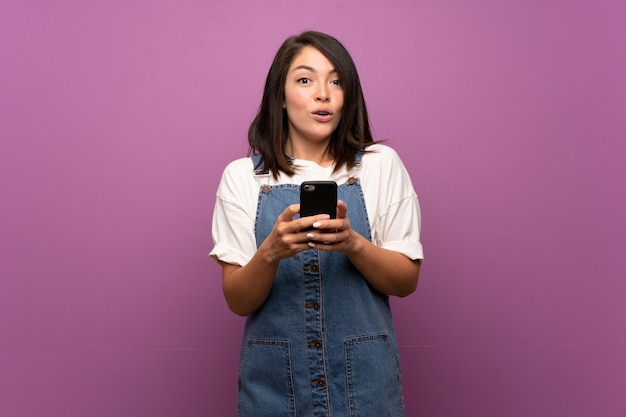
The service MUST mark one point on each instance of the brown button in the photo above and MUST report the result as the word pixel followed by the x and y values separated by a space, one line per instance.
pixel 312 268
pixel 265 188
pixel 351 180
pixel 317 344
pixel 314 306
pixel 320 383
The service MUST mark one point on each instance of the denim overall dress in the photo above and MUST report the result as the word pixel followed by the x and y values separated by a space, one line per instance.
pixel 322 344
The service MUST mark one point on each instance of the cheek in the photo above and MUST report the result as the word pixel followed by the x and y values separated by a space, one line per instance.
pixel 339 109
pixel 339 101
pixel 291 99
pixel 295 100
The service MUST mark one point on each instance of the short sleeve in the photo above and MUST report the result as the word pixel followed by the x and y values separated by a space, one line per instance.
pixel 234 214
pixel 392 202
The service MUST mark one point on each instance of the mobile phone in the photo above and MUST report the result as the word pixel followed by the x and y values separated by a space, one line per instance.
pixel 318 197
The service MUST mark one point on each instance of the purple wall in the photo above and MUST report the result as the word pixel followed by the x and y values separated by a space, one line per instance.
pixel 117 118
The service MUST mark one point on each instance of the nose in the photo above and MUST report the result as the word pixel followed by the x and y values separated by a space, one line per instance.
pixel 322 94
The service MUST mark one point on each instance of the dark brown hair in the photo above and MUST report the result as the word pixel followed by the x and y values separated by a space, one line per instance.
pixel 268 131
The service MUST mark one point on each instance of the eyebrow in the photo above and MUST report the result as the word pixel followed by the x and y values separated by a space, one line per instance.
pixel 311 69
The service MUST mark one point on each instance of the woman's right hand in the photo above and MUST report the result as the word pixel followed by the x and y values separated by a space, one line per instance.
pixel 247 287
pixel 287 237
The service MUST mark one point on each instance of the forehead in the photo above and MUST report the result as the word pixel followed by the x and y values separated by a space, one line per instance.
pixel 310 58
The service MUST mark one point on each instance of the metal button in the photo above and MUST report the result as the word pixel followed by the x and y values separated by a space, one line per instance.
pixel 265 188
pixel 351 180
pixel 312 268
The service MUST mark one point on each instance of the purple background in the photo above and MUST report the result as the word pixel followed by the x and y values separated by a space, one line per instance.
pixel 117 118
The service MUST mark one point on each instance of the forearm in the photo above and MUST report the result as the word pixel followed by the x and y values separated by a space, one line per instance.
pixel 247 287
pixel 387 271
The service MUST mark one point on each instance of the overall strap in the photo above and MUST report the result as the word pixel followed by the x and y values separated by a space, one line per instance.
pixel 259 168
pixel 357 158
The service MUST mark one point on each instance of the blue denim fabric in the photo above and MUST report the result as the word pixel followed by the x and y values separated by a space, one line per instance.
pixel 323 343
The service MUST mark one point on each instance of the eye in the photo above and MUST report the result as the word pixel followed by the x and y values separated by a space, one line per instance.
pixel 303 80
pixel 336 82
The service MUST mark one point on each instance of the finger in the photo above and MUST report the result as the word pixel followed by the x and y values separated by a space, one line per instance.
pixel 288 214
pixel 312 221
pixel 328 235
pixel 342 209
pixel 323 246
pixel 332 225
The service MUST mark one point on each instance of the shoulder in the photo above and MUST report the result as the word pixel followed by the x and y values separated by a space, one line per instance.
pixel 384 173
pixel 237 176
pixel 382 157
pixel 380 153
pixel 239 167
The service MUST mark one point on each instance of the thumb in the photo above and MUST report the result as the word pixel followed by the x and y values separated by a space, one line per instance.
pixel 342 209
pixel 288 214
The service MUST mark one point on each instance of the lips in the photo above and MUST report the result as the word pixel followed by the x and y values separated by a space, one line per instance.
pixel 322 115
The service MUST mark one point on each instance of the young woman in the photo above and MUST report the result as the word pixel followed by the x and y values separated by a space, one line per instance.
pixel 318 339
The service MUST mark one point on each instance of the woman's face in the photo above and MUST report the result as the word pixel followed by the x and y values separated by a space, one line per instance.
pixel 314 98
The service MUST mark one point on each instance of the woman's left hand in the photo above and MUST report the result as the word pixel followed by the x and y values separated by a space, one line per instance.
pixel 388 271
pixel 334 234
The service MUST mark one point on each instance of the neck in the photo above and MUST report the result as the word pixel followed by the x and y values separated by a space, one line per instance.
pixel 317 153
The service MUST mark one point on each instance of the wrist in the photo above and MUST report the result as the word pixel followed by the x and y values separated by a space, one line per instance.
pixel 357 245
pixel 268 255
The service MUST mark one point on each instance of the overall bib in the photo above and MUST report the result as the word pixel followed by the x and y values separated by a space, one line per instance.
pixel 322 344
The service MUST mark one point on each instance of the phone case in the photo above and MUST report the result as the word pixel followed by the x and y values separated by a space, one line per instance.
pixel 318 197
